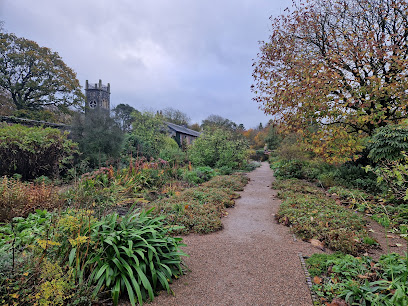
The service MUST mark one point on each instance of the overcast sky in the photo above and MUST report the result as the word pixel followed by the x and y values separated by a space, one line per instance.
pixel 192 55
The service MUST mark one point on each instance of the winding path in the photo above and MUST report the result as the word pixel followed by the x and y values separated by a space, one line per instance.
pixel 252 261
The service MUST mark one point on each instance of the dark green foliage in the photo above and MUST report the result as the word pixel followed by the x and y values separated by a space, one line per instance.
pixel 99 137
pixel 352 175
pixel 392 178
pixel 289 169
pixel 34 151
pixel 123 116
pixel 35 76
pixel 219 148
pixel 388 143
pixel 349 175
pixel 258 155
pixel 272 139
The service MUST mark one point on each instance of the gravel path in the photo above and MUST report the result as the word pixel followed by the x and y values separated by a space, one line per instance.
pixel 252 261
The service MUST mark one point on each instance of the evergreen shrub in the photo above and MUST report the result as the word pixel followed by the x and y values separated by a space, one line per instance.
pixel 34 151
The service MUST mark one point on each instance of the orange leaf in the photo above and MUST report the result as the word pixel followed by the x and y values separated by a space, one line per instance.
pixel 317 280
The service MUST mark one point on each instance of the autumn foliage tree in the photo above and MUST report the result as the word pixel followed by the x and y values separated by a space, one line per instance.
pixel 36 77
pixel 336 70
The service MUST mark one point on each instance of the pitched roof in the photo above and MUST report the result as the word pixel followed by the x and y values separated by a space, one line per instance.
pixel 182 129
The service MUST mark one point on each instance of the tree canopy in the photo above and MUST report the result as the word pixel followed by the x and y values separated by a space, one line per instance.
pixel 175 116
pixel 339 66
pixel 216 121
pixel 35 76
pixel 123 116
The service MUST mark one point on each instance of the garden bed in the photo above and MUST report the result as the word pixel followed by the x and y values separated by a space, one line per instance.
pixel 313 215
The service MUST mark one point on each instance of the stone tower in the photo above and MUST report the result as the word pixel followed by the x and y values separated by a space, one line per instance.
pixel 97 97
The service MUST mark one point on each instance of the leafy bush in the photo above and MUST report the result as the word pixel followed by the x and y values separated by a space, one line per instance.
pixel 18 199
pixel 199 175
pixel 392 177
pixel 147 138
pixel 34 151
pixel 219 148
pixel 258 155
pixel 100 138
pixel 62 257
pixel 171 152
pixel 315 216
pixel 388 143
pixel 360 280
pixel 351 175
pixel 135 255
pixel 289 169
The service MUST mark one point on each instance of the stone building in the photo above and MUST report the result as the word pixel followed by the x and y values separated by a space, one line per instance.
pixel 97 97
pixel 182 135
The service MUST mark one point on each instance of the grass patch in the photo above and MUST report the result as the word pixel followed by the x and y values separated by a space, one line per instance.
pixel 313 215
pixel 359 280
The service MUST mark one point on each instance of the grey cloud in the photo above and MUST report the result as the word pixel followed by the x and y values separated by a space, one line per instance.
pixel 191 55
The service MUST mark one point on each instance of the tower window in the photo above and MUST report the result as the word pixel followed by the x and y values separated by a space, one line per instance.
pixel 92 104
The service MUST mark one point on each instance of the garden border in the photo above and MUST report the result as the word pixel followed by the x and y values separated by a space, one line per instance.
pixel 315 299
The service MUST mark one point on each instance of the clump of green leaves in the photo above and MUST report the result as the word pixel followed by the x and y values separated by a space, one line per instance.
pixel 315 216
pixel 388 143
pixel 360 280
pixel 199 175
pixel 135 255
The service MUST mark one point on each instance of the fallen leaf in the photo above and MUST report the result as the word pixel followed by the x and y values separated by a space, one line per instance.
pixel 317 243
pixel 398 244
pixel 317 280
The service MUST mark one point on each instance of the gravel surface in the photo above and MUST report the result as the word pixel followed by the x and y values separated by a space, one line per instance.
pixel 252 261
